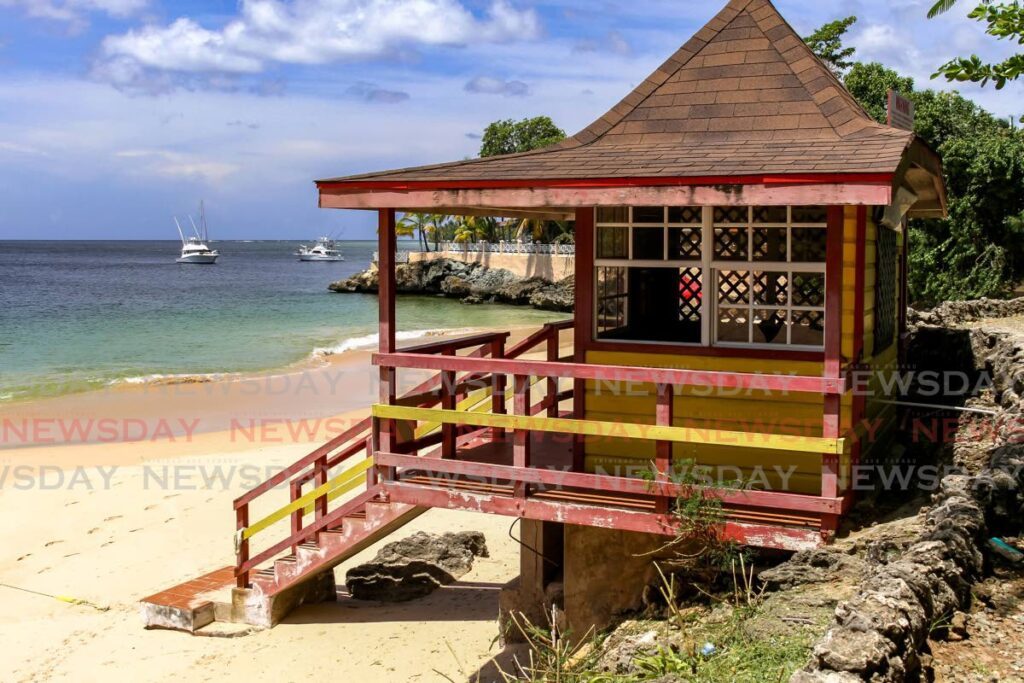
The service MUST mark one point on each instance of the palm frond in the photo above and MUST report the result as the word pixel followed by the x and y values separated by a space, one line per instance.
pixel 940 7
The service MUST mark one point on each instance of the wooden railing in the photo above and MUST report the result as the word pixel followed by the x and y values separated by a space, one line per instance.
pixel 445 388
pixel 523 422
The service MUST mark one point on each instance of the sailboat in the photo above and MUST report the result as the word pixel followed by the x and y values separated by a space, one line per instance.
pixel 195 248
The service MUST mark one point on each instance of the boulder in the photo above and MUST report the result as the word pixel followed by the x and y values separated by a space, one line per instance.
pixel 416 566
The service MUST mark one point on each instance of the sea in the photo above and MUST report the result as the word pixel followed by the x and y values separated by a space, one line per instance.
pixel 78 316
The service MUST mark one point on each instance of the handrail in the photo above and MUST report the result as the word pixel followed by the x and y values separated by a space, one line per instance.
pixel 619 430
pixel 619 373
pixel 455 343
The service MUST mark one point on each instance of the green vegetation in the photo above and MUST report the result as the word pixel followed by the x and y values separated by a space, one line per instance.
pixel 827 43
pixel 1004 21
pixel 509 137
pixel 978 251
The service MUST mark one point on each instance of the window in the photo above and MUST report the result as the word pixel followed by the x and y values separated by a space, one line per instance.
pixel 649 274
pixel 749 276
pixel 886 255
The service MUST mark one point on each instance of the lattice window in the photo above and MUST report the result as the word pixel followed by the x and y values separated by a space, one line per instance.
pixel 656 254
pixel 886 248
pixel 770 275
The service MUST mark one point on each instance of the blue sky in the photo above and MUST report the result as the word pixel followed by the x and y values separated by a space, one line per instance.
pixel 116 114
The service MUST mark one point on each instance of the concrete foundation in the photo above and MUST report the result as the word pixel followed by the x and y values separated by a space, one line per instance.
pixel 251 606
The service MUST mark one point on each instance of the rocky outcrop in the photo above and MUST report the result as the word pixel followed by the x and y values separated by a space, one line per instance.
pixel 470 282
pixel 416 566
pixel 879 634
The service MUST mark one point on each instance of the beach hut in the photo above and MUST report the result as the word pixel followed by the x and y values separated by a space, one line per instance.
pixel 740 261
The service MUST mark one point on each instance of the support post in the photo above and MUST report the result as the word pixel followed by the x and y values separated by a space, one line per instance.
pixel 833 357
pixel 448 401
pixel 583 327
pixel 498 388
pixel 521 437
pixel 295 489
pixel 386 319
pixel 241 522
pixel 860 276
pixel 552 382
pixel 663 449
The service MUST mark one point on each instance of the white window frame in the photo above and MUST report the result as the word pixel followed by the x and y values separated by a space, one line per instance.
pixel 710 268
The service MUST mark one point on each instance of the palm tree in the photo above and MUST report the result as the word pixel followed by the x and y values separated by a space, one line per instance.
pixel 419 224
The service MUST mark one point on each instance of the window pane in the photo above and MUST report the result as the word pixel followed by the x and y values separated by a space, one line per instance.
pixel 809 214
pixel 730 214
pixel 690 297
pixel 769 244
pixel 769 214
pixel 612 243
pixel 684 243
pixel 733 287
pixel 685 214
pixel 730 244
pixel 612 214
pixel 770 288
pixel 809 245
pixel 649 243
pixel 733 325
pixel 808 328
pixel 769 327
pixel 648 214
pixel 808 289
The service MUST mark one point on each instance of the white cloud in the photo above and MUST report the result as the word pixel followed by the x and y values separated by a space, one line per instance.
pixel 307 32
pixel 486 85
pixel 179 166
pixel 73 11
pixel 371 92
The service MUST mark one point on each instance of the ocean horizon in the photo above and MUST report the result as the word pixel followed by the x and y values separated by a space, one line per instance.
pixel 80 315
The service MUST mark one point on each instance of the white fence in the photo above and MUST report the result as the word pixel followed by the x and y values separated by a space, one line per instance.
pixel 508 248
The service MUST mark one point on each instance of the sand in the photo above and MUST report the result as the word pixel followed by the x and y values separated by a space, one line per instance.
pixel 97 518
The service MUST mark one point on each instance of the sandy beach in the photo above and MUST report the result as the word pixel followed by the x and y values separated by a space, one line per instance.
pixel 97 512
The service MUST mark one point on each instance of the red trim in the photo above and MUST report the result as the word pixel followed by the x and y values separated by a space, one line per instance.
pixel 858 300
pixel 583 318
pixel 794 179
pixel 833 356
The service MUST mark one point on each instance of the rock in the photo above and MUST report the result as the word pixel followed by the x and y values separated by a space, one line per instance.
pixel 472 300
pixel 471 281
pixel 631 639
pixel 858 652
pixel 809 566
pixel 416 566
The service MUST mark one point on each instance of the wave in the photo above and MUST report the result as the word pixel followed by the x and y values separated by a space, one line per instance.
pixel 160 378
pixel 369 341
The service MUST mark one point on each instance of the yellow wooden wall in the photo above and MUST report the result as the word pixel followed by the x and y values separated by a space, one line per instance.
pixel 747 411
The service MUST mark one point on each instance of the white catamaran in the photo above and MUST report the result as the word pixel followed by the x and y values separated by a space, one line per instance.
pixel 325 249
pixel 195 249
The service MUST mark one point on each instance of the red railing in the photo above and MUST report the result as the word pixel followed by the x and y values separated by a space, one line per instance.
pixel 444 388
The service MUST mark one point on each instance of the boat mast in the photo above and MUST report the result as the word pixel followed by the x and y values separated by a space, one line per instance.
pixel 180 233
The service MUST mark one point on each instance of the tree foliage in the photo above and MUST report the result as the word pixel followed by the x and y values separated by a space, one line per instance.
pixel 827 43
pixel 870 84
pixel 1004 20
pixel 508 136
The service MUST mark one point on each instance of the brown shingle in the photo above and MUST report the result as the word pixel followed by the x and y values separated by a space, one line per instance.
pixel 744 95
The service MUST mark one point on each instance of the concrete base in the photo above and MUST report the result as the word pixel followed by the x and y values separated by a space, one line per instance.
pixel 251 606
pixel 175 618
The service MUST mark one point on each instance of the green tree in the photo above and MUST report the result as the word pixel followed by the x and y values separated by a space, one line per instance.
pixel 508 136
pixel 1004 20
pixel 870 85
pixel 827 43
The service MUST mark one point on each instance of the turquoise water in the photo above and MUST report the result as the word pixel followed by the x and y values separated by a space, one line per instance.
pixel 76 316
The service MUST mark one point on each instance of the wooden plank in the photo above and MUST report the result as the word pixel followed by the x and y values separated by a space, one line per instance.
pixel 457 343
pixel 583 330
pixel 591 515
pixel 663 449
pixel 521 444
pixel 618 373
pixel 559 478
pixel 617 430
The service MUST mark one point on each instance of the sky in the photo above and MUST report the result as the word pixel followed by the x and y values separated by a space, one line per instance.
pixel 116 115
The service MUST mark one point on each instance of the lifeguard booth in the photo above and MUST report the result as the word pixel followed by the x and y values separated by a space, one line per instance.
pixel 740 254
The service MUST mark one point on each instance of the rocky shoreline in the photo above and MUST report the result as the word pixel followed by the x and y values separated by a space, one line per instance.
pixel 471 283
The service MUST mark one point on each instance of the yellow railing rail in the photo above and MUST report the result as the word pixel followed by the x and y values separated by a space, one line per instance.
pixel 625 430
pixel 348 480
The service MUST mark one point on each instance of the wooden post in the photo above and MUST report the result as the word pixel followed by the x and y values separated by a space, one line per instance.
pixel 833 357
pixel 498 388
pixel 521 437
pixel 552 382
pixel 663 449
pixel 583 326
pixel 295 489
pixel 386 319
pixel 860 277
pixel 241 522
pixel 448 401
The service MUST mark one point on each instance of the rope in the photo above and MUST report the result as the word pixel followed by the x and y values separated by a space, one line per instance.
pixel 63 598
pixel 524 545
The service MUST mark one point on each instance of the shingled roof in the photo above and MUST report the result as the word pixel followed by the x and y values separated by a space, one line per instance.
pixel 744 96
